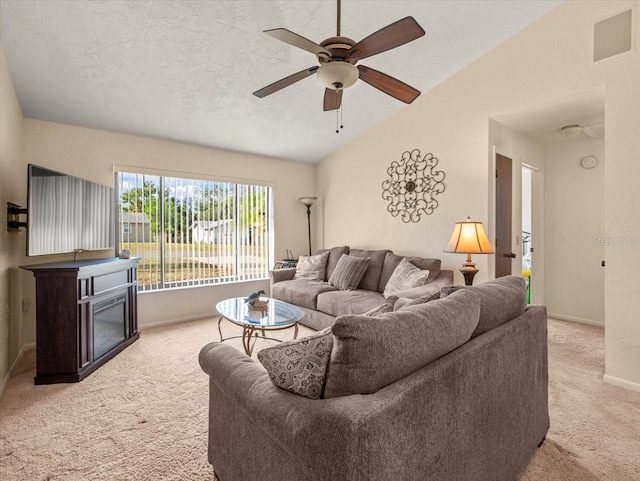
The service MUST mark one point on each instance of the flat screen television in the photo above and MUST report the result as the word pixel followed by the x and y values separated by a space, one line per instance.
pixel 68 214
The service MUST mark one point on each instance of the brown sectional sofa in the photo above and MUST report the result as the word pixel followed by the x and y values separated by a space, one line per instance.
pixel 422 410
pixel 323 303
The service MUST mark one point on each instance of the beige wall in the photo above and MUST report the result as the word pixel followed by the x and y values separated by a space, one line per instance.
pixel 10 242
pixel 574 226
pixel 548 60
pixel 91 154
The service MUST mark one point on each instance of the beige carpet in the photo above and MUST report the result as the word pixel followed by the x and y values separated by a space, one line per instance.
pixel 143 416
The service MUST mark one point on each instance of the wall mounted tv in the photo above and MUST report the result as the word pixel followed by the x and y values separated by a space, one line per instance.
pixel 67 214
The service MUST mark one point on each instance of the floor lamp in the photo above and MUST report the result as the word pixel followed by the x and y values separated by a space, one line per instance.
pixel 469 238
pixel 308 201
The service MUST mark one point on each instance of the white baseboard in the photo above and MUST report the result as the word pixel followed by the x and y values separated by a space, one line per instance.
pixel 616 381
pixel 176 321
pixel 562 317
pixel 5 381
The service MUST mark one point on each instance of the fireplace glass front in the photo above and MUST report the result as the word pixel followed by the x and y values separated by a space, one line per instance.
pixel 109 324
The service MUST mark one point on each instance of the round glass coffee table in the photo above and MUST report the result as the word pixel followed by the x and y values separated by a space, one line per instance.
pixel 279 315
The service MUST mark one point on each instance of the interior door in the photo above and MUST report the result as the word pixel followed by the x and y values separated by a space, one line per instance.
pixel 504 194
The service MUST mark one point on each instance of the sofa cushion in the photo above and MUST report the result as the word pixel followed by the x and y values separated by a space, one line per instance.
pixel 392 260
pixel 348 272
pixel 406 303
pixel 337 303
pixel 388 306
pixel 371 279
pixel 501 300
pixel 372 352
pixel 300 365
pixel 334 256
pixel 405 277
pixel 300 292
pixel 312 268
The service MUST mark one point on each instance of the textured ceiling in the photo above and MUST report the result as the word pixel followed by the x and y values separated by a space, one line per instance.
pixel 185 70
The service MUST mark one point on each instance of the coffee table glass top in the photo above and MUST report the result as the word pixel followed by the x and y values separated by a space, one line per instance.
pixel 278 314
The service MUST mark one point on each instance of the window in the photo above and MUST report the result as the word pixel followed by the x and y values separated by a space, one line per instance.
pixel 191 232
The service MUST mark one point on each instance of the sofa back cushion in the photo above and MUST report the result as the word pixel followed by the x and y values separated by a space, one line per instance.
pixel 392 260
pixel 371 279
pixel 372 352
pixel 334 256
pixel 501 300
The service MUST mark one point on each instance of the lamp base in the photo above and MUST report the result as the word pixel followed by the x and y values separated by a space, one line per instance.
pixel 468 271
pixel 468 276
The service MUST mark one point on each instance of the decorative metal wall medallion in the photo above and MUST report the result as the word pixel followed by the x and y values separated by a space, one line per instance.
pixel 412 186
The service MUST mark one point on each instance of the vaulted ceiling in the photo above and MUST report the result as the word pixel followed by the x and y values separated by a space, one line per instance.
pixel 185 70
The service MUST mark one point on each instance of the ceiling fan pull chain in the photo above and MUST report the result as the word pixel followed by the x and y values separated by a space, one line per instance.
pixel 337 131
pixel 341 106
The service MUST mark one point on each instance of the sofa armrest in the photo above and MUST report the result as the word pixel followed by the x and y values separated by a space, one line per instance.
pixel 445 278
pixel 247 409
pixel 279 275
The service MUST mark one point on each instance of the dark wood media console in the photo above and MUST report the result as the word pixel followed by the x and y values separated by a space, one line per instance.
pixel 86 313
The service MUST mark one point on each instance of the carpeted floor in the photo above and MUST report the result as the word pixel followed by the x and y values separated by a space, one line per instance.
pixel 143 416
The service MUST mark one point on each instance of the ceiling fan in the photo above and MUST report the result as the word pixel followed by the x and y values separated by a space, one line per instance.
pixel 338 56
pixel 577 129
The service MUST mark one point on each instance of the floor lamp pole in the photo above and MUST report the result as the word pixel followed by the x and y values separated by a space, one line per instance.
pixel 308 201
pixel 309 225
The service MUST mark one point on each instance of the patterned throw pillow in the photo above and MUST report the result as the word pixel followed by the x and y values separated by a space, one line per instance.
pixel 405 276
pixel 349 272
pixel 312 268
pixel 386 307
pixel 300 366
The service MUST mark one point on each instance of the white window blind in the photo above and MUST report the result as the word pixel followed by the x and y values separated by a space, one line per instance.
pixel 190 232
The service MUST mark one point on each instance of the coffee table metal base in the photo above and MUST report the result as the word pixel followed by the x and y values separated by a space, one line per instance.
pixel 251 331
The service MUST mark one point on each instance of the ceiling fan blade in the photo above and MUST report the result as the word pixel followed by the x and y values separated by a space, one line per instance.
pixel 285 82
pixel 287 36
pixel 589 132
pixel 391 36
pixel 388 85
pixel 332 99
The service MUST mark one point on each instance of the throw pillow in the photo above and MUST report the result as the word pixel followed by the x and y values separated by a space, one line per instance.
pixel 405 276
pixel 299 366
pixel 386 307
pixel 312 268
pixel 349 272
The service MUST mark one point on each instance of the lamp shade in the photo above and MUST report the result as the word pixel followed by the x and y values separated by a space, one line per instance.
pixel 308 201
pixel 469 237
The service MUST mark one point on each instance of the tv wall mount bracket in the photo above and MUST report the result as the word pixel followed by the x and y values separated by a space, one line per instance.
pixel 13 217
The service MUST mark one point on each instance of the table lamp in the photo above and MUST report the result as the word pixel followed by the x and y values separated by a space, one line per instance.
pixel 469 238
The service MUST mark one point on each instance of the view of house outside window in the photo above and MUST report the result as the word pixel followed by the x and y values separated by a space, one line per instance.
pixel 190 232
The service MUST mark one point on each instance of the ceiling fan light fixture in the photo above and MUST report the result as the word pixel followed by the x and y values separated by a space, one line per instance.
pixel 337 75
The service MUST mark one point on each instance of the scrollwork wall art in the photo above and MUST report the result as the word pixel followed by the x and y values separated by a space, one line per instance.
pixel 412 186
